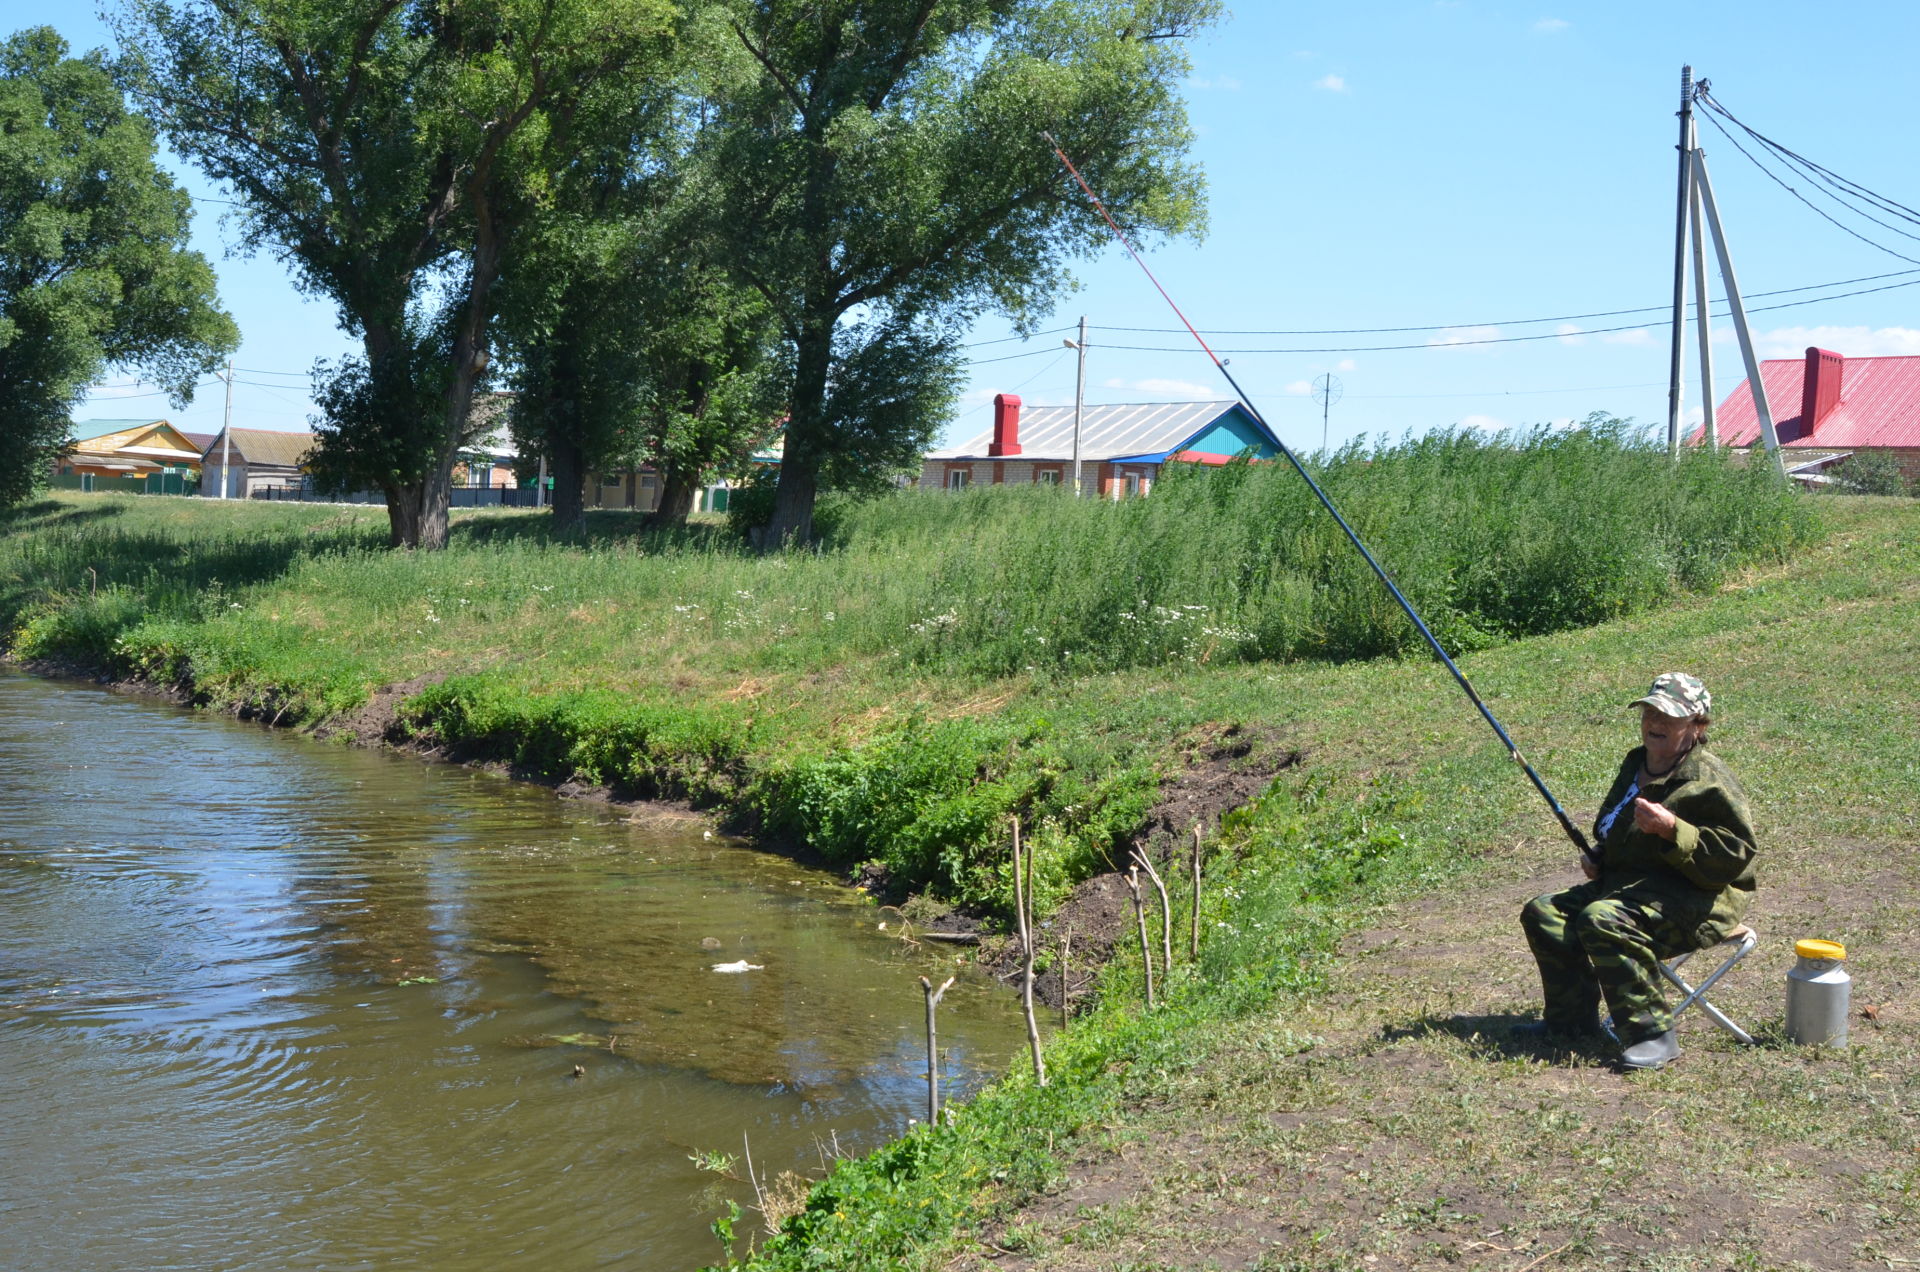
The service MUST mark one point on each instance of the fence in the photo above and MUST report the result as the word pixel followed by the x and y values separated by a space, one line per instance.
pixel 461 496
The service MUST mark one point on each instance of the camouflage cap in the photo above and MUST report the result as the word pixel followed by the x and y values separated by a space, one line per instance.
pixel 1677 694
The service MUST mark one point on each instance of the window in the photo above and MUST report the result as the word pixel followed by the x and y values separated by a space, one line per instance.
pixel 1047 476
pixel 957 478
pixel 1133 484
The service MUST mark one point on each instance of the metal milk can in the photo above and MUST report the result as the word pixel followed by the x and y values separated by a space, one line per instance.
pixel 1818 989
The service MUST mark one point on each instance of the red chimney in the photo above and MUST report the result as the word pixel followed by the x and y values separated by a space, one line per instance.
pixel 1819 391
pixel 1006 425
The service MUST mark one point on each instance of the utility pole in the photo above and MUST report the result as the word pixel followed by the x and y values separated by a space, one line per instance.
pixel 1079 400
pixel 1700 298
pixel 226 437
pixel 1739 314
pixel 1677 365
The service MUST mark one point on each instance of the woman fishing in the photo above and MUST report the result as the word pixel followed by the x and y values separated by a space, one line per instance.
pixel 1671 870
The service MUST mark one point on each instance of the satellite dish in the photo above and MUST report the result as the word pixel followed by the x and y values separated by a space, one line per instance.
pixel 1326 391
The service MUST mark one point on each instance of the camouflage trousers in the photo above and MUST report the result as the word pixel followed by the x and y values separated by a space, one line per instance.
pixel 1591 941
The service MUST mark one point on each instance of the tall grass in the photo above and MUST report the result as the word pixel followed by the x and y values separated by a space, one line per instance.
pixel 1491 537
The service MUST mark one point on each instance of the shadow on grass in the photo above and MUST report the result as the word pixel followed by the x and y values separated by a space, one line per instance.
pixel 1496 1035
pixel 605 528
pixel 44 514
pixel 72 553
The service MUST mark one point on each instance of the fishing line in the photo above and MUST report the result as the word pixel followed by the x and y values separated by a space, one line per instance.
pixel 1566 823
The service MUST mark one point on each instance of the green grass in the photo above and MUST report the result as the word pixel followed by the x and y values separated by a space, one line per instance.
pixel 940 663
pixel 1405 800
pixel 683 665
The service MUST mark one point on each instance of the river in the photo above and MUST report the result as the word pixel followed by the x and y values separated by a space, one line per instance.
pixel 271 1003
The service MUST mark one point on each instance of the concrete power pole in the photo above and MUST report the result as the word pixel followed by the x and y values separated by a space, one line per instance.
pixel 1684 204
pixel 1079 400
pixel 226 437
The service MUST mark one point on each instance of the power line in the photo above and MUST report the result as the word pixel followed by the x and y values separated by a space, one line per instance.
pixel 1818 211
pixel 980 344
pixel 1515 322
pixel 1891 206
pixel 1494 340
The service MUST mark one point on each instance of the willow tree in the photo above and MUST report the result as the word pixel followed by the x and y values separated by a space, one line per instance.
pixel 94 267
pixel 883 176
pixel 387 151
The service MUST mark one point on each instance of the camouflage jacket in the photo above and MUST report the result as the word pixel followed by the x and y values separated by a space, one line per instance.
pixel 1705 874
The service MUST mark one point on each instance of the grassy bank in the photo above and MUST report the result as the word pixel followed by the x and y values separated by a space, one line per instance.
pixel 942 663
pixel 682 665
pixel 1336 1086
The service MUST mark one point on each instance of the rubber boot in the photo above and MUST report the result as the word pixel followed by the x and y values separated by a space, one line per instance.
pixel 1651 1053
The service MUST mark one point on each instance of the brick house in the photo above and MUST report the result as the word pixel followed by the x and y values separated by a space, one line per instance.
pixel 1827 405
pixel 1123 448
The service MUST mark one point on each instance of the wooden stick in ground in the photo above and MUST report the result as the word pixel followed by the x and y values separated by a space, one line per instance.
pixel 1023 902
pixel 1194 951
pixel 933 1053
pixel 1140 917
pixel 1066 985
pixel 1166 913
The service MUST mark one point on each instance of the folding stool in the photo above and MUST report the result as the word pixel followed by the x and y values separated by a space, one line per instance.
pixel 1742 939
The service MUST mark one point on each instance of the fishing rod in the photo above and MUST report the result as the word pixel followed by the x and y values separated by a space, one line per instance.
pixel 1566 823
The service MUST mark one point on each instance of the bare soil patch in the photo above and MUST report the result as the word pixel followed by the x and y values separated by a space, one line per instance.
pixel 1225 769
pixel 1398 1122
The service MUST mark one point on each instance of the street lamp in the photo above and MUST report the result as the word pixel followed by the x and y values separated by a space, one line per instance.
pixel 1079 397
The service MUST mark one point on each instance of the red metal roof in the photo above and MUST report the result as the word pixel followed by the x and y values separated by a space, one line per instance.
pixel 1879 406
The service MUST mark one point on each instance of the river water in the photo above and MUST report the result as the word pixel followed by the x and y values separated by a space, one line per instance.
pixel 270 1003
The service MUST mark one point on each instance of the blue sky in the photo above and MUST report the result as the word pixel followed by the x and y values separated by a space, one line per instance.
pixel 1398 164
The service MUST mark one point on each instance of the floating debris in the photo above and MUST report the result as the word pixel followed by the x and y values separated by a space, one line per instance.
pixel 741 966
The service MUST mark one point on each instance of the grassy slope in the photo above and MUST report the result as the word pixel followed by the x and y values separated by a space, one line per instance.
pixel 1405 796
pixel 1297 1109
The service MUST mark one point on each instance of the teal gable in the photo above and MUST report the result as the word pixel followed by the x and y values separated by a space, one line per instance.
pixel 1231 434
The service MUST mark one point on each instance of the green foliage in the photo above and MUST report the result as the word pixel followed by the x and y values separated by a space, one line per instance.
pixel 1872 473
pixel 388 152
pixel 1490 537
pixel 884 162
pixel 1291 872
pixel 94 269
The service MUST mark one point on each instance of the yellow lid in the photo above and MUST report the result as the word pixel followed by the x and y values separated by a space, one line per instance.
pixel 1820 949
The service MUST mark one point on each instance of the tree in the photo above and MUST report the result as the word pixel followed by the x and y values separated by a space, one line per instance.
pixel 388 150
pixel 881 167
pixel 94 268
pixel 1871 472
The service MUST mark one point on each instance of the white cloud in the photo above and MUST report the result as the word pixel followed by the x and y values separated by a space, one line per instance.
pixel 1299 388
pixel 1569 333
pixel 1345 364
pixel 1638 336
pixel 1225 83
pixel 1463 336
pixel 1304 54
pixel 1486 422
pixel 1850 342
pixel 1332 83
pixel 1548 26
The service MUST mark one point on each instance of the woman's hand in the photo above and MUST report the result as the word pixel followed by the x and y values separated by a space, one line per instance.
pixel 1652 818
pixel 1589 867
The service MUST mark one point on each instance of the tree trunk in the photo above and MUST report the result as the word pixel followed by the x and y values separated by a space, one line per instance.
pixel 678 490
pixel 569 487
pixel 403 515
pixel 436 501
pixel 800 458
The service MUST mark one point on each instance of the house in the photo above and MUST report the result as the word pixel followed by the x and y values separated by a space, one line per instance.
pixel 1826 407
pixel 261 460
pixel 1122 448
pixel 138 455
